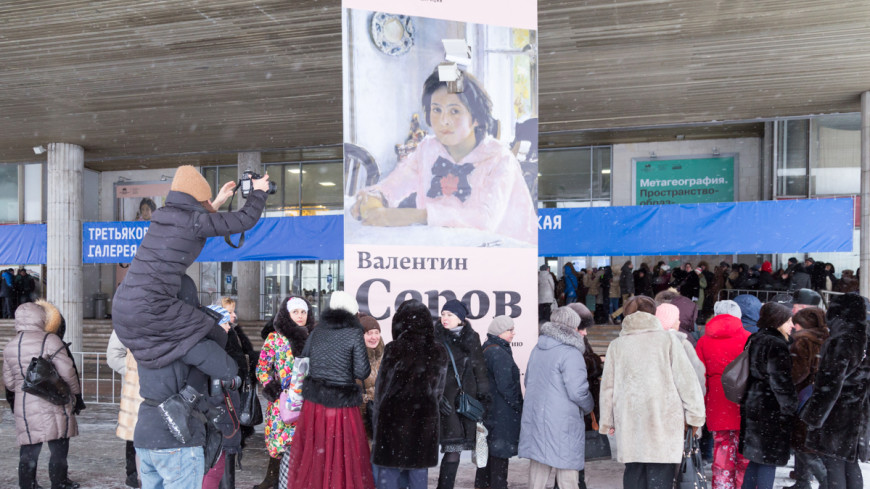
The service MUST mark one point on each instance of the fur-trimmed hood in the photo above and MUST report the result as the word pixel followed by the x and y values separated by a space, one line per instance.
pixel 563 335
pixel 29 317
pixel 53 318
pixel 640 322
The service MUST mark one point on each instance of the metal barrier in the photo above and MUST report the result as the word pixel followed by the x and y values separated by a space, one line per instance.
pixel 768 295
pixel 99 383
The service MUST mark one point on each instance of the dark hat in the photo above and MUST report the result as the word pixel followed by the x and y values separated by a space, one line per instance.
pixel 807 297
pixel 457 308
pixel 369 323
pixel 792 260
pixel 544 268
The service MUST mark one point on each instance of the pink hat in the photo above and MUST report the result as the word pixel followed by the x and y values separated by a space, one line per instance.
pixel 669 316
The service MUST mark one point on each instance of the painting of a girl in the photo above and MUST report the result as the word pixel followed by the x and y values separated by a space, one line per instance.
pixel 459 176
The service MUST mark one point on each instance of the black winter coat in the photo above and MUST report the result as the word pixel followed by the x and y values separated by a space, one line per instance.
pixel 504 417
pixel 336 350
pixel 203 360
pixel 149 319
pixel 410 383
pixel 468 355
pixel 771 400
pixel 837 412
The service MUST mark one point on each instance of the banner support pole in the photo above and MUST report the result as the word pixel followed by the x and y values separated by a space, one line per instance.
pixel 864 236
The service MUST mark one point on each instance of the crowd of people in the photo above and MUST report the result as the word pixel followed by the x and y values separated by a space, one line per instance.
pixel 603 291
pixel 16 288
pixel 378 415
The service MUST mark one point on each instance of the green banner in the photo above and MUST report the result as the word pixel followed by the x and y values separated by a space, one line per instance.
pixel 684 181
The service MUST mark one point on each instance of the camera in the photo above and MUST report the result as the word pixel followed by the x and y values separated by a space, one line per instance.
pixel 247 185
pixel 217 386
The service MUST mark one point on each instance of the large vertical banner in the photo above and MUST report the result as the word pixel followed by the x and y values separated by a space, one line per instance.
pixel 440 131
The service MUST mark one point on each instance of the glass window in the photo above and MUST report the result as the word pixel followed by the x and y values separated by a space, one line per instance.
pixel 601 157
pixel 793 155
pixel 575 174
pixel 322 188
pixel 9 193
pixel 835 155
pixel 293 174
pixel 33 193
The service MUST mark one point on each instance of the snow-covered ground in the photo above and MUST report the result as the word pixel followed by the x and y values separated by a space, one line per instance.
pixel 97 459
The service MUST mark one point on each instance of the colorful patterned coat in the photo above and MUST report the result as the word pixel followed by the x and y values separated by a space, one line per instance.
pixel 276 361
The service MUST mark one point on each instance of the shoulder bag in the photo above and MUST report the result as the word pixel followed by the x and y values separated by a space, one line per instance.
pixel 250 413
pixel 735 377
pixel 466 405
pixel 691 472
pixel 597 445
pixel 42 379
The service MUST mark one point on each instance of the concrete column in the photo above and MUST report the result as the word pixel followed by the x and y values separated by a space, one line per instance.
pixel 248 272
pixel 864 247
pixel 64 222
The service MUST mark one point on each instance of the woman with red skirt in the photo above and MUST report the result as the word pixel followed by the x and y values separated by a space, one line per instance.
pixel 330 448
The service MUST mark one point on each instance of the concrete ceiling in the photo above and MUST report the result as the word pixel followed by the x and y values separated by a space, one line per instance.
pixel 156 84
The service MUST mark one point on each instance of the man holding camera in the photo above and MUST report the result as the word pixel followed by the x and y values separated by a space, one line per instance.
pixel 177 344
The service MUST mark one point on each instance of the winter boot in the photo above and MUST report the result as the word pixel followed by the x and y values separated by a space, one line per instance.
pixel 228 481
pixel 271 475
pixel 447 474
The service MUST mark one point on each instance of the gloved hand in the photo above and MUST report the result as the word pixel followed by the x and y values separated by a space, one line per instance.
pixel 445 407
pixel 272 390
pixel 10 398
pixel 80 405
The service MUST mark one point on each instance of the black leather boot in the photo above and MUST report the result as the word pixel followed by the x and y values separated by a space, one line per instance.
pixel 447 475
pixel 271 474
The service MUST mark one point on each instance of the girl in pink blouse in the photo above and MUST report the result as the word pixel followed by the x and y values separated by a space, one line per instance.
pixel 462 176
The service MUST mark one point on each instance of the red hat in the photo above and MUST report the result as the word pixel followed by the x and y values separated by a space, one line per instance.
pixel 767 267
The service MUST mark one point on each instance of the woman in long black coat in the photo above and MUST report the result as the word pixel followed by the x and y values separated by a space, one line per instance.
pixel 458 433
pixel 408 389
pixel 838 412
pixel 504 417
pixel 771 400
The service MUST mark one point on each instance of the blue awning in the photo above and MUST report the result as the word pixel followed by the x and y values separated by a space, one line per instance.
pixel 785 226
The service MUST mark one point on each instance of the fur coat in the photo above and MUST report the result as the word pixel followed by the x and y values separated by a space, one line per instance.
pixel 648 392
pixel 557 396
pixel 771 400
pixel 804 364
pixel 837 412
pixel 410 383
pixel 36 419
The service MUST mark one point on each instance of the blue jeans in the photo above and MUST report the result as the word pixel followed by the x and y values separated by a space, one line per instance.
pixel 171 468
pixel 759 476
pixel 391 478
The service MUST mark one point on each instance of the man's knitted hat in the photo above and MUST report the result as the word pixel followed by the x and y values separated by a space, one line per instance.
pixel 190 181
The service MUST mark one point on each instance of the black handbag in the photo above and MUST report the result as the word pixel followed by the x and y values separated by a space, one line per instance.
pixel 466 405
pixel 691 472
pixel 735 376
pixel 250 412
pixel 597 445
pixel 42 379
